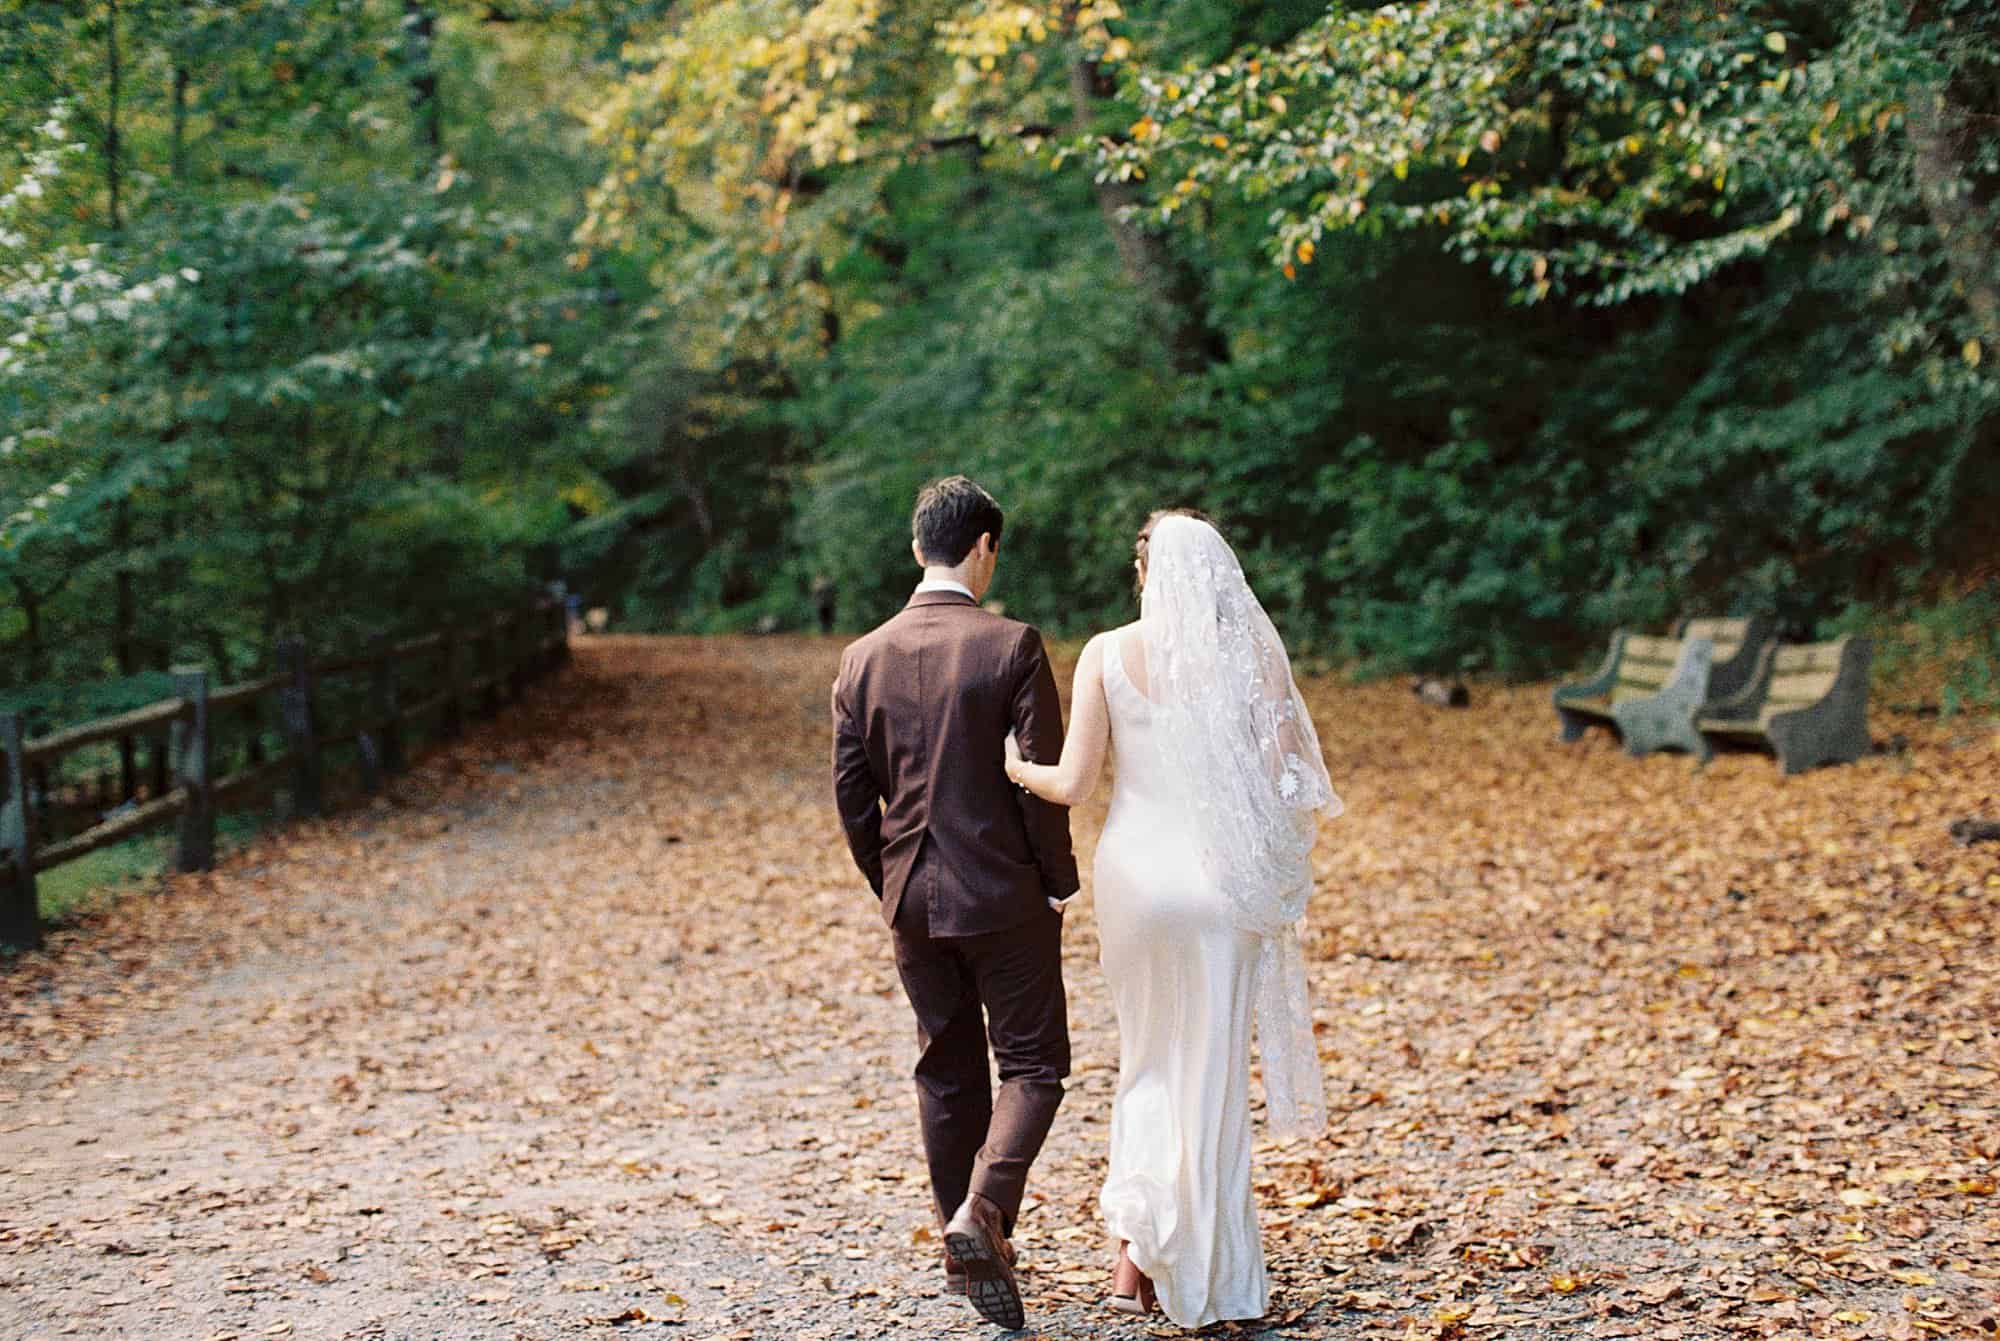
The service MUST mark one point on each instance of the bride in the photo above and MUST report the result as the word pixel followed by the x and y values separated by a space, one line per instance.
pixel 1201 879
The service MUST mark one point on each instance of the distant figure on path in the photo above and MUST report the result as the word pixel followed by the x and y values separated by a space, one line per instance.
pixel 1201 879
pixel 972 872
pixel 825 598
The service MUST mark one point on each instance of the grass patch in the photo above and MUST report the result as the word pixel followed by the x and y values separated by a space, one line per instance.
pixel 75 886
pixel 109 873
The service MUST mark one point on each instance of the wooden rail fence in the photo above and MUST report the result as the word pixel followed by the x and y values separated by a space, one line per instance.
pixel 506 651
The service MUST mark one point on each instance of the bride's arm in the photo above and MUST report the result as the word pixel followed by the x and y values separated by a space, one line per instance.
pixel 1069 782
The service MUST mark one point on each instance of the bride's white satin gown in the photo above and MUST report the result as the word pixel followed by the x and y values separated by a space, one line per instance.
pixel 1181 979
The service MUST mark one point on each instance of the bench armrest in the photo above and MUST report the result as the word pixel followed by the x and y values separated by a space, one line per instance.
pixel 1748 701
pixel 1733 674
pixel 1667 717
pixel 1603 680
pixel 1835 729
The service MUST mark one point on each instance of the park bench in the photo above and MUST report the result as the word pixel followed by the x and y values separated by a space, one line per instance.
pixel 1808 704
pixel 1651 689
pixel 1739 644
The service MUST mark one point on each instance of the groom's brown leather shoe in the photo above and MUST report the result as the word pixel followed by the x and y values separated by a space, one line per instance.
pixel 954 1270
pixel 975 1239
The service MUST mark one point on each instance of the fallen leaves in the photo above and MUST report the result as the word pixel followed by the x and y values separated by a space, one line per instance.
pixel 1616 1049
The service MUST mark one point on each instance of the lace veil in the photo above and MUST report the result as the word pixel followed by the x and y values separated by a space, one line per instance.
pixel 1241 739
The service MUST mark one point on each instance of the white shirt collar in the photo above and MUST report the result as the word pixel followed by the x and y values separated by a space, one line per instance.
pixel 945 584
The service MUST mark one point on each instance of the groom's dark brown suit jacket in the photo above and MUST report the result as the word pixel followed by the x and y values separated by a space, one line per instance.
pixel 921 712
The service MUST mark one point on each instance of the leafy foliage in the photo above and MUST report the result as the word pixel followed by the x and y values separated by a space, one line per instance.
pixel 271 365
pixel 1483 326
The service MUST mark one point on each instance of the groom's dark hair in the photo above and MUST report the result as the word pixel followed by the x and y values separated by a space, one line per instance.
pixel 950 516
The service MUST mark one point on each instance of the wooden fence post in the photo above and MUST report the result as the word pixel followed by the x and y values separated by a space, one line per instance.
pixel 451 721
pixel 20 915
pixel 520 653
pixel 128 769
pixel 487 641
pixel 386 709
pixel 160 755
pixel 253 742
pixel 44 785
pixel 295 700
pixel 194 771
pixel 559 619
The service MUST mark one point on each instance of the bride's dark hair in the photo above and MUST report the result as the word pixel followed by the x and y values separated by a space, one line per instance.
pixel 1146 534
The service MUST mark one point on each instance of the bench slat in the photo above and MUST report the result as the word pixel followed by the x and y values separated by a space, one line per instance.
pixel 1646 672
pixel 1798 691
pixel 1652 649
pixel 1812 657
pixel 1727 635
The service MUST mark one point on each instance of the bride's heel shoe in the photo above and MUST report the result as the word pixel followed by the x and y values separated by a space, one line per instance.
pixel 1140 1305
pixel 1142 1301
pixel 1127 1303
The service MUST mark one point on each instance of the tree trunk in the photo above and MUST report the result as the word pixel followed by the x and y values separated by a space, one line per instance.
pixel 683 454
pixel 111 147
pixel 1939 141
pixel 1167 282
pixel 178 163
pixel 419 33
pixel 31 610
pixel 124 615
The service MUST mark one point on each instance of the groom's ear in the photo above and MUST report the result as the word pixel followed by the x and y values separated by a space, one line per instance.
pixel 917 551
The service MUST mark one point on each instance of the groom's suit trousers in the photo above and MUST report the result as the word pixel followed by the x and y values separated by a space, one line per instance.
pixel 977 1140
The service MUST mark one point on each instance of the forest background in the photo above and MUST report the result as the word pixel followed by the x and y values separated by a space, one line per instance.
pixel 1484 326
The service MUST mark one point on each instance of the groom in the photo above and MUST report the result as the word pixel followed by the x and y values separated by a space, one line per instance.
pixel 972 873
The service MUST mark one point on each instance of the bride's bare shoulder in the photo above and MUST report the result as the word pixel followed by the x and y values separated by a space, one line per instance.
pixel 1099 641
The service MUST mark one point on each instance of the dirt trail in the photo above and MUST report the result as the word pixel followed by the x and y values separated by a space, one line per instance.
pixel 590 1028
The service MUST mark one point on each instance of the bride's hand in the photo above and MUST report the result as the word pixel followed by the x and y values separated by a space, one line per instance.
pixel 1013 757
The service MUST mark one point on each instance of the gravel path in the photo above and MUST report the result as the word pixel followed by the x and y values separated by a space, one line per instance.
pixel 590 1028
